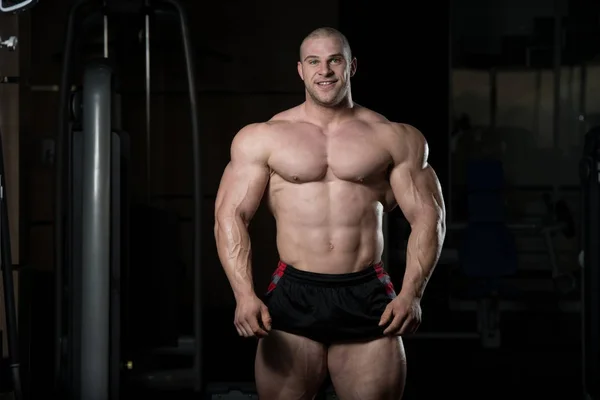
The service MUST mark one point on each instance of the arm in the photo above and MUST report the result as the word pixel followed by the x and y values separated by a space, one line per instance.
pixel 240 192
pixel 419 196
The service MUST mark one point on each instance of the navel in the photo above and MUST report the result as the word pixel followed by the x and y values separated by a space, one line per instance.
pixel 294 178
pixel 331 246
pixel 360 179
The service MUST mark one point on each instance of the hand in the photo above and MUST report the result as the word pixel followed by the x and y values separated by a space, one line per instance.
pixel 403 314
pixel 252 318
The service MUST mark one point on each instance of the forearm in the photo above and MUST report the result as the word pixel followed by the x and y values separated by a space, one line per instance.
pixel 423 250
pixel 234 249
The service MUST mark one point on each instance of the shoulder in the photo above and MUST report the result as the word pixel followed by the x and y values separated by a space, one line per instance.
pixel 251 143
pixel 256 140
pixel 398 134
pixel 406 144
pixel 408 135
pixel 263 131
pixel 368 116
pixel 249 134
pixel 411 145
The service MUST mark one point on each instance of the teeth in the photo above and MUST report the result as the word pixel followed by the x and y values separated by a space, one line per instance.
pixel 325 83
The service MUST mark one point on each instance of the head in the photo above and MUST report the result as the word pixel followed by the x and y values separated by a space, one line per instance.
pixel 326 66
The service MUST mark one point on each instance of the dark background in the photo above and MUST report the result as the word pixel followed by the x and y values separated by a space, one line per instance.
pixel 430 65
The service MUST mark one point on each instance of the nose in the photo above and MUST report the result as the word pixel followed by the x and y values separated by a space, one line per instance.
pixel 325 69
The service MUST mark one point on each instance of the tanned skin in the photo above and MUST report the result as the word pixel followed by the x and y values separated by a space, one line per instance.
pixel 330 169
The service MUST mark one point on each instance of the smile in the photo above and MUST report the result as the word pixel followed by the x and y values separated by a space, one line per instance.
pixel 326 83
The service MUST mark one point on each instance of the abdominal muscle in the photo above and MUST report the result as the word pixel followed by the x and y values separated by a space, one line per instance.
pixel 327 227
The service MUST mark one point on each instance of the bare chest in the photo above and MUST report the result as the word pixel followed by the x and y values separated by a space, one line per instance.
pixel 312 156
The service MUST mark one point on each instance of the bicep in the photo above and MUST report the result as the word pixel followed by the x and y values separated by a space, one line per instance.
pixel 418 192
pixel 241 190
pixel 246 175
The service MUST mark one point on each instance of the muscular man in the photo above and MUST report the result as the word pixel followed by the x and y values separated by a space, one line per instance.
pixel 330 169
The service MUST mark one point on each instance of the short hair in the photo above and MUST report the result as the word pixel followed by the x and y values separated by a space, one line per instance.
pixel 325 32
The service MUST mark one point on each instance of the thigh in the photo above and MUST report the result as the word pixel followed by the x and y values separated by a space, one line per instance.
pixel 289 367
pixel 370 370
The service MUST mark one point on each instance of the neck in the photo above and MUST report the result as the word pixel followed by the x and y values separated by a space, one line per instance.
pixel 328 115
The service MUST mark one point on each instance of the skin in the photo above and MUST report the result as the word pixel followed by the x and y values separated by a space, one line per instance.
pixel 329 169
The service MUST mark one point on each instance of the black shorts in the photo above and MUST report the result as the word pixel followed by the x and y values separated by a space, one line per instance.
pixel 329 308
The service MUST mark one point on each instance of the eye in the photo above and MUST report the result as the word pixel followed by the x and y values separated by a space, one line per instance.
pixel 312 62
pixel 336 60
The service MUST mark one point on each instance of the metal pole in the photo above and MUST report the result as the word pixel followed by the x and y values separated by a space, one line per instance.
pixel 538 101
pixel 582 99
pixel 557 70
pixel 116 252
pixel 189 61
pixel 448 200
pixel 105 26
pixel 589 172
pixel 10 309
pixel 59 188
pixel 148 105
pixel 95 302
pixel 493 98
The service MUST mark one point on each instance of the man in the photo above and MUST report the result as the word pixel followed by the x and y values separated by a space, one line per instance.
pixel 330 169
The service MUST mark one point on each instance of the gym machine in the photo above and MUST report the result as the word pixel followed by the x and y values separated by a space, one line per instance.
pixel 97 148
pixel 91 208
pixel 487 259
pixel 590 181
pixel 487 254
pixel 15 6
pixel 10 311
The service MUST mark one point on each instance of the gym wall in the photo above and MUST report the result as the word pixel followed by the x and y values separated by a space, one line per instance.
pixel 524 133
pixel 523 138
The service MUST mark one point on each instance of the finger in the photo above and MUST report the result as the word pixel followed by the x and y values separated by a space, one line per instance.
pixel 242 331
pixel 385 317
pixel 255 328
pixel 265 318
pixel 415 326
pixel 237 326
pixel 407 326
pixel 239 331
pixel 393 328
pixel 261 334
pixel 246 329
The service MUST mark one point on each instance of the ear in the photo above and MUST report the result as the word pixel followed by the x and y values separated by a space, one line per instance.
pixel 300 72
pixel 353 67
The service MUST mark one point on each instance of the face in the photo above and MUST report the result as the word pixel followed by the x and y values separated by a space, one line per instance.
pixel 326 70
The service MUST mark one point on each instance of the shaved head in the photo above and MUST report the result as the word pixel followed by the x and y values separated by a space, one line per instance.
pixel 327 32
pixel 326 66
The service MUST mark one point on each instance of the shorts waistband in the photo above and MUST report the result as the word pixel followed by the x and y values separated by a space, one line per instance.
pixel 347 279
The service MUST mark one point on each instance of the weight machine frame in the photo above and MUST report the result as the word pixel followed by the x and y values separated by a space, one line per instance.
pixel 95 309
pixel 10 309
pixel 590 296
pixel 24 5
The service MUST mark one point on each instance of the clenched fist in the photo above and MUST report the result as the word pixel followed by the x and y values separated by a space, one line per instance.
pixel 252 318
